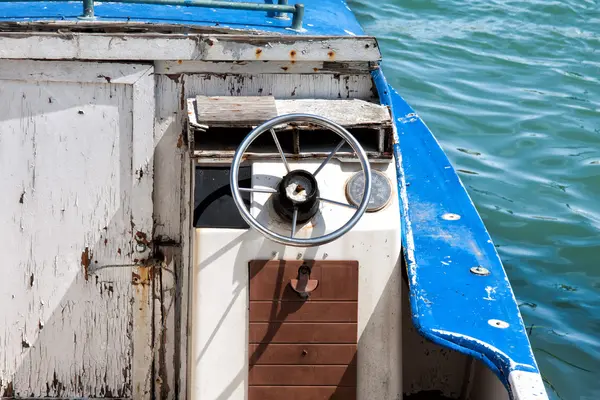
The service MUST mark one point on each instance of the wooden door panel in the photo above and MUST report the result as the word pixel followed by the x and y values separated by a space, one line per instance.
pixel 289 332
pixel 300 354
pixel 317 311
pixel 302 393
pixel 303 375
pixel 303 348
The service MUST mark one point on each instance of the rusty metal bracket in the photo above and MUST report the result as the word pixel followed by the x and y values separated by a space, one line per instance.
pixel 303 285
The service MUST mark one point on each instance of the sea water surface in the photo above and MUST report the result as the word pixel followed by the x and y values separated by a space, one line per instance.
pixel 511 89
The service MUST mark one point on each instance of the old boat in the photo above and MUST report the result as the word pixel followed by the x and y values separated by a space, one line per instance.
pixel 226 200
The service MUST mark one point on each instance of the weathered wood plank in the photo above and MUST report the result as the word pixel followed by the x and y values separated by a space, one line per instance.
pixel 261 67
pixel 234 111
pixel 213 47
pixel 348 113
pixel 281 86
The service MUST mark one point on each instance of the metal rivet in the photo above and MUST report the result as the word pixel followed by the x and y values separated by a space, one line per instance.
pixel 451 217
pixel 496 323
pixel 479 270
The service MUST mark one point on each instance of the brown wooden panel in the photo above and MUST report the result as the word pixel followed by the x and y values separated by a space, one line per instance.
pixel 302 354
pixel 301 393
pixel 291 311
pixel 300 375
pixel 269 280
pixel 302 333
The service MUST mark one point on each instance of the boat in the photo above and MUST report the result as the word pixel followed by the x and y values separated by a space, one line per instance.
pixel 226 200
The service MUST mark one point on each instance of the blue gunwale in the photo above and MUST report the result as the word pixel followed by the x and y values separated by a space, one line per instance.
pixel 449 305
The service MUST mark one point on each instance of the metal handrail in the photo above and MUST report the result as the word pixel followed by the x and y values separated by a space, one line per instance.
pixel 297 10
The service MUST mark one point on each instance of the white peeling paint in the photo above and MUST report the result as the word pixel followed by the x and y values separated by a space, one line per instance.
pixel 72 145
pixel 490 290
pixel 526 385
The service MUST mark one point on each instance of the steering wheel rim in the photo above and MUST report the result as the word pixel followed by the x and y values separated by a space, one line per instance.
pixel 318 120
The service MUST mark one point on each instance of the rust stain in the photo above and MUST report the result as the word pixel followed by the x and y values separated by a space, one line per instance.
pixel 258 53
pixel 141 237
pixel 105 241
pixel 331 55
pixel 119 251
pixel 86 260
pixel 179 62
pixel 293 54
pixel 143 276
pixel 316 69
pixel 284 68
pixel 180 141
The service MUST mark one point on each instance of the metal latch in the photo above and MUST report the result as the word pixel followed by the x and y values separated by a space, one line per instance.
pixel 303 285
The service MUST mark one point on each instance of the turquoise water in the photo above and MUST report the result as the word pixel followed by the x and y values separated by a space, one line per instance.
pixel 511 89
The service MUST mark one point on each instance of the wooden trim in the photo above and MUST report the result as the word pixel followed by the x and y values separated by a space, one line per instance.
pixel 301 393
pixel 169 47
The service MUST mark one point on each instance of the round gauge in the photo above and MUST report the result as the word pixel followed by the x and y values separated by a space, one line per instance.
pixel 381 190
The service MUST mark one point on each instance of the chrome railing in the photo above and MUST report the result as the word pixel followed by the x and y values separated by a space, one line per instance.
pixel 281 8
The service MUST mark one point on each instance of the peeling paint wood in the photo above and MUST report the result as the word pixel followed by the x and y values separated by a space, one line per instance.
pixel 225 111
pixel 169 142
pixel 282 86
pixel 260 67
pixel 70 146
pixel 217 47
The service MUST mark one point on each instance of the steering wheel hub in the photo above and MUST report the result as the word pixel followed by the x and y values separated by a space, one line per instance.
pixel 298 189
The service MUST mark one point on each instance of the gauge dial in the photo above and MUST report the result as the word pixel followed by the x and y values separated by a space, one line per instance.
pixel 381 190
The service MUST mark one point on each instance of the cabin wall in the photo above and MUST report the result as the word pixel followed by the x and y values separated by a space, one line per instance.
pixel 75 161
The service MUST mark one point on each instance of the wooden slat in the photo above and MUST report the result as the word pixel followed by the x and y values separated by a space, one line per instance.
pixel 301 393
pixel 302 333
pixel 348 113
pixel 302 354
pixel 235 110
pixel 300 375
pixel 338 280
pixel 318 311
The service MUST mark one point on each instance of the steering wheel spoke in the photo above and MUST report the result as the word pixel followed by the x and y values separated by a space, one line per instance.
pixel 294 222
pixel 259 190
pixel 297 197
pixel 287 167
pixel 338 203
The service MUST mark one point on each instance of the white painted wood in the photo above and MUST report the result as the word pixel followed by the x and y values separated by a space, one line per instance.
pixel 281 86
pixel 214 47
pixel 260 67
pixel 219 356
pixel 70 144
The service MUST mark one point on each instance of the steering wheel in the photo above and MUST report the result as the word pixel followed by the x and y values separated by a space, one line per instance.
pixel 297 197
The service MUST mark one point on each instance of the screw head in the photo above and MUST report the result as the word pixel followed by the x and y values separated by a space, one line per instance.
pixel 479 270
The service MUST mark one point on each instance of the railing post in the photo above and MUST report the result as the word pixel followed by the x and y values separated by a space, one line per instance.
pixel 88 9
pixel 298 16
pixel 282 15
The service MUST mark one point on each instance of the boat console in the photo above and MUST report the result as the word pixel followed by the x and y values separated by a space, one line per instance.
pixel 305 304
